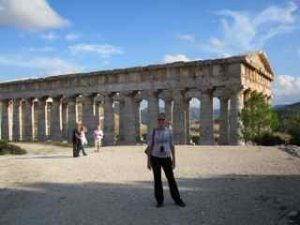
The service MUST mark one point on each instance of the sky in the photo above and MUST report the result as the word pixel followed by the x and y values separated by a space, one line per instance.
pixel 52 37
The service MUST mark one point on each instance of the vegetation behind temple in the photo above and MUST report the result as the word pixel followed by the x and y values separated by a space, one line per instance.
pixel 6 148
pixel 266 126
pixel 289 121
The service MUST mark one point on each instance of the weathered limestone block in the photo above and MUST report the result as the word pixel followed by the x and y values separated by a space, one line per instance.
pixel 128 132
pixel 5 120
pixel 206 119
pixel 71 116
pixel 89 118
pixel 109 128
pixel 179 119
pixel 42 110
pixel 236 103
pixel 16 120
pixel 224 132
pixel 55 127
pixel 153 109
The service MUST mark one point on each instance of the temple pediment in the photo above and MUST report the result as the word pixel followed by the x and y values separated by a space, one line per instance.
pixel 260 61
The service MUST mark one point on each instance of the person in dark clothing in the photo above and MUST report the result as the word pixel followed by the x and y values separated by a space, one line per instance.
pixel 76 140
pixel 161 154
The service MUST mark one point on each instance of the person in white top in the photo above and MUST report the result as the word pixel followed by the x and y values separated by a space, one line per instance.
pixel 161 154
pixel 98 136
pixel 83 139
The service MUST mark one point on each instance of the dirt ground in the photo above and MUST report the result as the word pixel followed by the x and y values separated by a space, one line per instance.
pixel 220 185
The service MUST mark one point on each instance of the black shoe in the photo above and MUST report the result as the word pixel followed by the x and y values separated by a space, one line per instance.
pixel 159 205
pixel 180 203
pixel 85 154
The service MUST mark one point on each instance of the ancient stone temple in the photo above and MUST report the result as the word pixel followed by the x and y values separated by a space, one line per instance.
pixel 48 108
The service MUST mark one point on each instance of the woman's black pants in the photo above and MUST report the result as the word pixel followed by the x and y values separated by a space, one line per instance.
pixel 166 164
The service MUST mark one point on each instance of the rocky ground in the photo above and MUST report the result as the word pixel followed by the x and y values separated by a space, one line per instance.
pixel 220 185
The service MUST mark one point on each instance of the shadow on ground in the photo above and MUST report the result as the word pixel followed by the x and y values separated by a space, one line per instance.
pixel 231 200
pixel 291 150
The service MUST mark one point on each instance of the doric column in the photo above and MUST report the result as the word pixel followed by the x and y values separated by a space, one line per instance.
pixel 71 116
pixel 55 127
pixel 42 110
pixel 153 110
pixel 64 119
pixel 179 119
pixel 206 119
pixel 22 118
pixel 224 134
pixel 109 122
pixel 137 120
pixel 5 120
pixel 168 110
pixel 89 118
pixel 187 121
pixel 236 101
pixel 122 121
pixel 127 119
pixel 16 120
pixel 29 120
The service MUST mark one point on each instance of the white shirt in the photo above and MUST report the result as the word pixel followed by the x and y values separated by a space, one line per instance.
pixel 163 140
pixel 98 135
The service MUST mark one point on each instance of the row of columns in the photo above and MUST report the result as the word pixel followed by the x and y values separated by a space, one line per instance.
pixel 29 117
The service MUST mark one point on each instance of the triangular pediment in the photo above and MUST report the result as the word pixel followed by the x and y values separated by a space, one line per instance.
pixel 260 60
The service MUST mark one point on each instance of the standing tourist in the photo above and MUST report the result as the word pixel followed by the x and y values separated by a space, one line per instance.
pixel 83 139
pixel 98 136
pixel 161 154
pixel 76 140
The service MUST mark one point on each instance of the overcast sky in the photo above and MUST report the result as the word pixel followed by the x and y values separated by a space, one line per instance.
pixel 40 37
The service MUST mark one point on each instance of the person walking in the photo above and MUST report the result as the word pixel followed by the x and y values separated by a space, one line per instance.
pixel 98 136
pixel 161 154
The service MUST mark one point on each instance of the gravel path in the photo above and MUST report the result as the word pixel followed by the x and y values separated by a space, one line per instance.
pixel 221 185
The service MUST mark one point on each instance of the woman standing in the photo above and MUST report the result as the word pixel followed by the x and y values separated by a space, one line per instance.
pixel 161 154
pixel 83 139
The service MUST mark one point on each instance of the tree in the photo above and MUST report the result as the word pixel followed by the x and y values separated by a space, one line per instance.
pixel 257 118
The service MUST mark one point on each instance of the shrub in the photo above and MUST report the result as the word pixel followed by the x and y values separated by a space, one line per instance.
pixel 6 148
pixel 269 139
pixel 195 139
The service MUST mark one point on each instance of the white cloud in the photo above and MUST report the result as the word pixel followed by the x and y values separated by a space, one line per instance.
pixel 277 14
pixel 30 15
pixel 104 50
pixel 186 37
pixel 244 31
pixel 175 58
pixel 50 36
pixel 45 65
pixel 72 37
pixel 286 89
